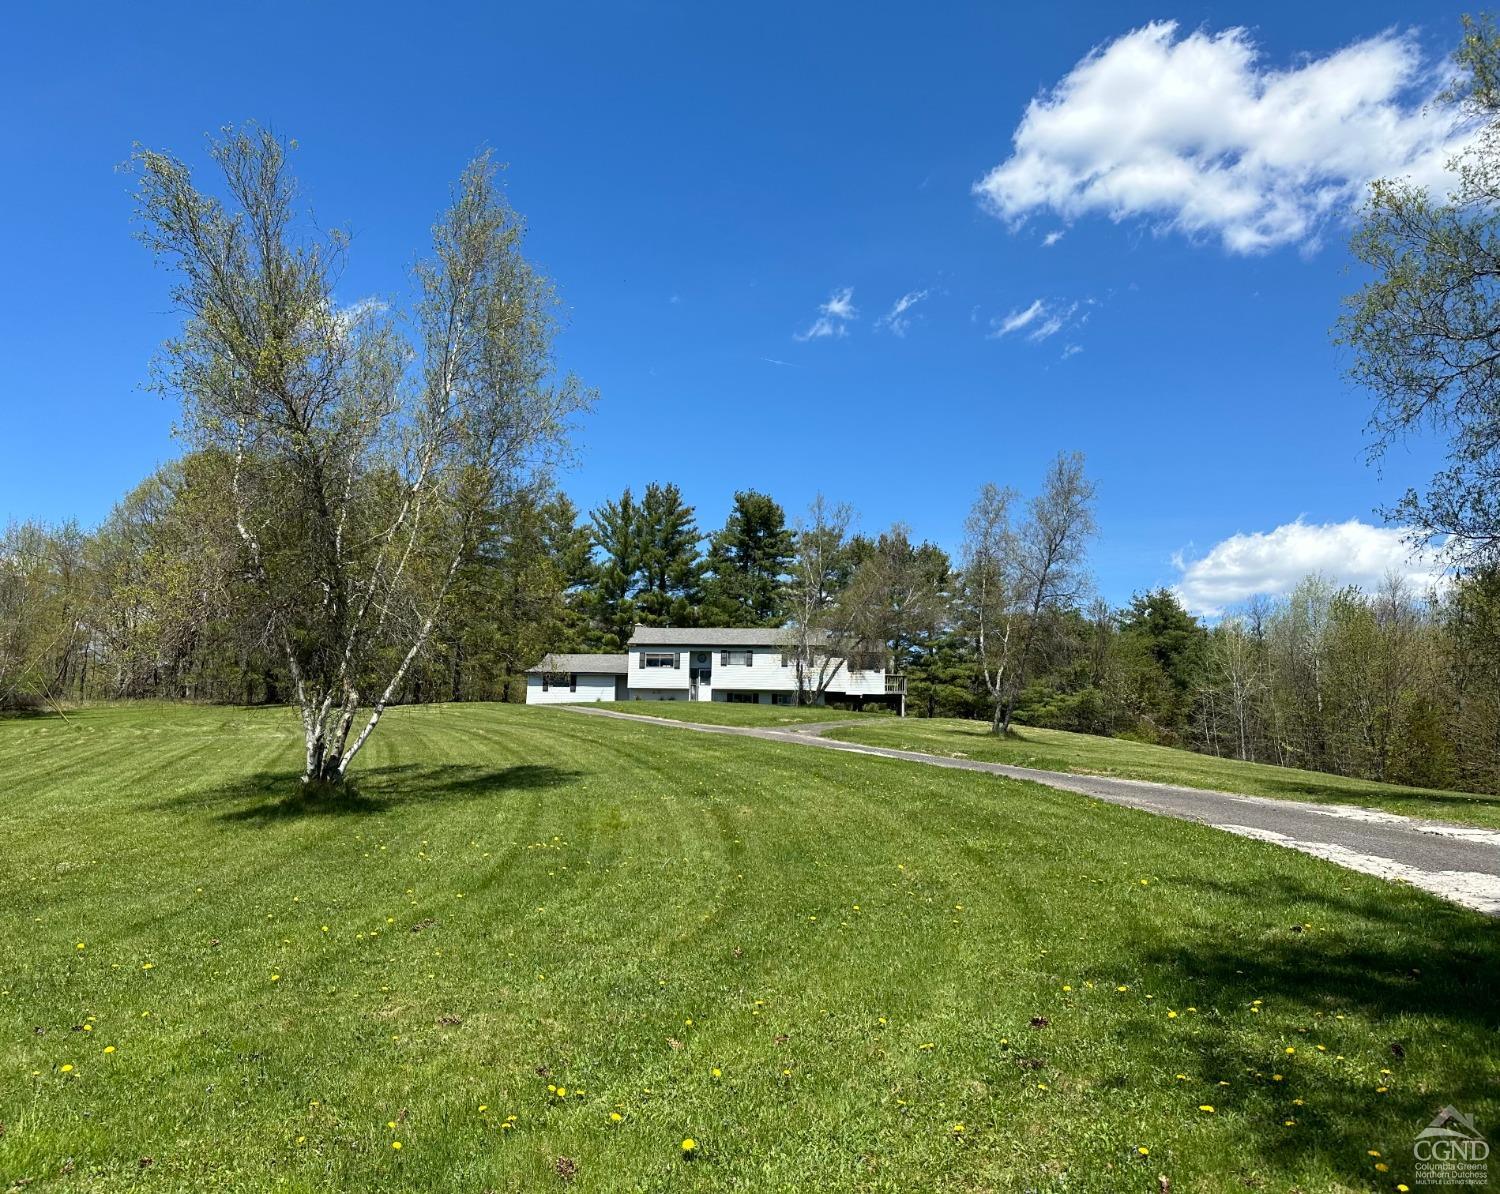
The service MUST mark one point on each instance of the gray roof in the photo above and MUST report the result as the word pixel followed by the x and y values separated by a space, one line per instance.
pixel 711 636
pixel 592 665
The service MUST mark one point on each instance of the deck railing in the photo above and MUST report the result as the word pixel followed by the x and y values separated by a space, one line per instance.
pixel 895 684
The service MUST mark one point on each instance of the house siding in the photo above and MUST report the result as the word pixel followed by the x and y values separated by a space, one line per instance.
pixel 591 688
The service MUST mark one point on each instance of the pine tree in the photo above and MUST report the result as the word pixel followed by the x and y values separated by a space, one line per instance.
pixel 671 570
pixel 747 564
pixel 616 527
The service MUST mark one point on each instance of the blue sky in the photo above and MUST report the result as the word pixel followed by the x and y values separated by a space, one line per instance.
pixel 703 180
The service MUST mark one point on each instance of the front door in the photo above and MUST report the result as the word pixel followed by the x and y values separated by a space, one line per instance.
pixel 701 676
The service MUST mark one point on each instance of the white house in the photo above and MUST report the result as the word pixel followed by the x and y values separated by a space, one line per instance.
pixel 669 663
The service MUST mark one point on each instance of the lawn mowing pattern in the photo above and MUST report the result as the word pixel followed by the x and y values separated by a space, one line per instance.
pixel 1088 754
pixel 866 952
pixel 732 713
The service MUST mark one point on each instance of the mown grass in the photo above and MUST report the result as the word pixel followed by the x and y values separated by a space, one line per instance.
pixel 1058 750
pixel 815 965
pixel 726 713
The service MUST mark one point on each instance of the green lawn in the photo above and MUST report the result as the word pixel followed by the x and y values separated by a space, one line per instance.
pixel 815 965
pixel 725 713
pixel 1057 750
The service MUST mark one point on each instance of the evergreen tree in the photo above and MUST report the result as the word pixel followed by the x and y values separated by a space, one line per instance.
pixel 671 571
pixel 747 563
pixel 616 527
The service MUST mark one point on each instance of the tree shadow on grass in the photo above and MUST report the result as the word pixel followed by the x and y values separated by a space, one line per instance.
pixel 270 796
pixel 1422 975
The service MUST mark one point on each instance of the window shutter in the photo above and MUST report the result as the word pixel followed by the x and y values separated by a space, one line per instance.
pixel 724 658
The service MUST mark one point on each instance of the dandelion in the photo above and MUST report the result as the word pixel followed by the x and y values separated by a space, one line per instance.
pixel 689 1145
pixel 1372 1152
pixel 109 1048
pixel 1381 1089
pixel 396 1144
pixel 391 1124
pixel 1122 988
pixel 615 1117
pixel 1382 1167
pixel 562 1092
pixel 66 1069
pixel 483 1107
pixel 1290 1050
pixel 1182 1077
pixel 1171 1015
pixel 1066 987
pixel 716 1072
pixel 1143 1150
pixel 147 965
pixel 1209 1107
pixel 79 945
pixel 1275 1077
pixel 958 1129
pixel 275 978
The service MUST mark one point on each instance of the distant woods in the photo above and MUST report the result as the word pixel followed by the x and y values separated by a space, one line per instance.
pixel 1394 684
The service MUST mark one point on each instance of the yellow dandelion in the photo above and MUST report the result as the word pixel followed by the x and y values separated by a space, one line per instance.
pixel 396 1144
pixel 80 945
pixel 1144 1151
pixel 716 1072
pixel 1372 1152
pixel 689 1145
pixel 275 978
pixel 1171 1015
pixel 958 1129
pixel 66 1069
pixel 615 1117
pixel 109 1048
pixel 1209 1107
pixel 1382 1167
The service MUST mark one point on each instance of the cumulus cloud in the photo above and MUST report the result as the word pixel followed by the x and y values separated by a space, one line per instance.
pixel 1270 563
pixel 834 316
pixel 1197 134
pixel 1052 238
pixel 1039 321
pixel 896 320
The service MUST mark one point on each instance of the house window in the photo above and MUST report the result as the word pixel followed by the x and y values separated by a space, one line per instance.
pixel 742 698
pixel 659 659
pixel 781 698
pixel 745 657
pixel 572 681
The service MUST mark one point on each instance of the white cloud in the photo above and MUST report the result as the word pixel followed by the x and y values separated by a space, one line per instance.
pixel 1197 134
pixel 1017 320
pixel 833 316
pixel 896 319
pixel 1271 563
pixel 1042 318
pixel 1052 238
pixel 1071 350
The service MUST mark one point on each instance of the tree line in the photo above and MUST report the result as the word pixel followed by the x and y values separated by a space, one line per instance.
pixel 160 601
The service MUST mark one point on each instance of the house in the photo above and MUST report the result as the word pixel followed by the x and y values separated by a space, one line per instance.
pixel 748 665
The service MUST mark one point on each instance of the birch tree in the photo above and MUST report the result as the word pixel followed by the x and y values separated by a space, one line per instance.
pixel 365 448
pixel 821 629
pixel 1019 576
